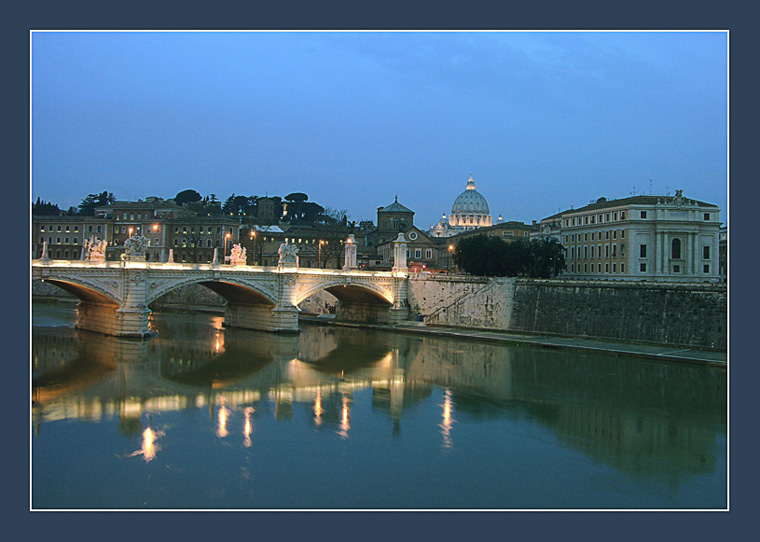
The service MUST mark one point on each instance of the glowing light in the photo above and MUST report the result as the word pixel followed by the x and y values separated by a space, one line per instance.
pixel 318 411
pixel 447 421
pixel 247 428
pixel 155 227
pixel 148 446
pixel 221 430
pixel 344 418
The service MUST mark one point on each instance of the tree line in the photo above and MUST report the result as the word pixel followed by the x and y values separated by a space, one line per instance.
pixel 294 208
pixel 482 255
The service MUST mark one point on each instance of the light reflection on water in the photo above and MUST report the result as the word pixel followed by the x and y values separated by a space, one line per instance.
pixel 348 418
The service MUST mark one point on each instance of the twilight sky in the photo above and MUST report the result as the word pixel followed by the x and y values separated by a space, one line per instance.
pixel 542 120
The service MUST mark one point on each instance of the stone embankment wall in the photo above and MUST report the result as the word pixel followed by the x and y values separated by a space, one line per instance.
pixel 673 314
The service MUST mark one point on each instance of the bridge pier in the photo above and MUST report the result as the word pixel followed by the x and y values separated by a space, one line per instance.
pixel 370 313
pixel 261 317
pixel 112 320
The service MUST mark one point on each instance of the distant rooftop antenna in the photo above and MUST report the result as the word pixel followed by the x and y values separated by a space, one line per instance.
pixel 650 187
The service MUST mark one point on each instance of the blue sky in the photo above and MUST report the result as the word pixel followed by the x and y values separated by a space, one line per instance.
pixel 542 120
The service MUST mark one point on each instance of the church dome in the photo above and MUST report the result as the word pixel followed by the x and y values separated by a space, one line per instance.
pixel 470 209
pixel 470 201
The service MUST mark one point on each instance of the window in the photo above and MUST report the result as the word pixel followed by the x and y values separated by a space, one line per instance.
pixel 592 252
pixel 707 216
pixel 643 268
pixel 676 269
pixel 585 268
pixel 67 229
pixel 675 252
pixel 706 252
pixel 572 253
pixel 643 214
pixel 57 240
pixel 643 251
pixel 606 251
pixel 418 253
pixel 585 253
pixel 622 215
pixel 66 241
pixel 592 236
pixel 59 228
pixel 606 268
pixel 572 268
pixel 592 265
pixel 614 267
pixel 706 268
pixel 622 267
pixel 428 253
pixel 614 234
pixel 614 251
pixel 76 229
pixel 607 217
pixel 98 229
pixel 42 228
pixel 585 237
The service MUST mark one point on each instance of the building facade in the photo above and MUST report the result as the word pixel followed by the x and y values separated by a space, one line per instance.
pixel 169 228
pixel 659 238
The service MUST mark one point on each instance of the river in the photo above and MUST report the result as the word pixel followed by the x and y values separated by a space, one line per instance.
pixel 204 417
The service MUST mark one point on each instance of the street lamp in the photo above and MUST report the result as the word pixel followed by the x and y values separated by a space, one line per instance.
pixel 448 265
pixel 226 237
pixel 319 262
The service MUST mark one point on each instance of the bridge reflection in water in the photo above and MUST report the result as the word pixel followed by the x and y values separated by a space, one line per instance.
pixel 652 421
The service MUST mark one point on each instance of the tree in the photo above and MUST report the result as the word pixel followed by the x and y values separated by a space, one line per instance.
pixel 547 258
pixel 492 257
pixel 44 208
pixel 87 207
pixel 187 196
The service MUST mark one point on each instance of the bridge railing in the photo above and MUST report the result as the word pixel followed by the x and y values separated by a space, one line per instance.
pixel 174 266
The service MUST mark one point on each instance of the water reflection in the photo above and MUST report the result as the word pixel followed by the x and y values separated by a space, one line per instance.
pixel 645 418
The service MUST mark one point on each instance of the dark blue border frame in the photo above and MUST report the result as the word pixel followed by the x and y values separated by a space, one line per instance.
pixel 552 14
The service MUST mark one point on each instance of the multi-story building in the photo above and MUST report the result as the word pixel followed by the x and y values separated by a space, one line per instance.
pixel 723 250
pixel 64 235
pixel 662 238
pixel 167 227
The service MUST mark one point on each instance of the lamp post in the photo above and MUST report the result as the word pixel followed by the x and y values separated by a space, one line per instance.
pixel 448 265
pixel 319 262
pixel 226 238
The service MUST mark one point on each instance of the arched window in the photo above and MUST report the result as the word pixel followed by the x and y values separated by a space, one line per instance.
pixel 676 249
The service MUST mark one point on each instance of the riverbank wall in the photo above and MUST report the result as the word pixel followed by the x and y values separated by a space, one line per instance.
pixel 689 315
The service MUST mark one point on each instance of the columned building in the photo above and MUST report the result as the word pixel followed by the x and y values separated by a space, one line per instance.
pixel 659 238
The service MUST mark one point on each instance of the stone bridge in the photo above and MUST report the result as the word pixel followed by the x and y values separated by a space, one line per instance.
pixel 115 297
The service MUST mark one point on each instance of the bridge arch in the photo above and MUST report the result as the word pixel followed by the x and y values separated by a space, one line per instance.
pixel 240 292
pixel 353 292
pixel 86 291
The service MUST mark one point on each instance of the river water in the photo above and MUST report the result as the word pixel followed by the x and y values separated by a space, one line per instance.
pixel 204 417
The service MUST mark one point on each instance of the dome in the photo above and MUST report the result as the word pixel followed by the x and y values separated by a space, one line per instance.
pixel 470 209
pixel 470 201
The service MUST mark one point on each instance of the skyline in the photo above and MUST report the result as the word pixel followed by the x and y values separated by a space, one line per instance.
pixel 544 121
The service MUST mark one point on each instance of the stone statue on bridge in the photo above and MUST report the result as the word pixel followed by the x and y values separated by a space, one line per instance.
pixel 288 255
pixel 94 250
pixel 135 248
pixel 237 255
